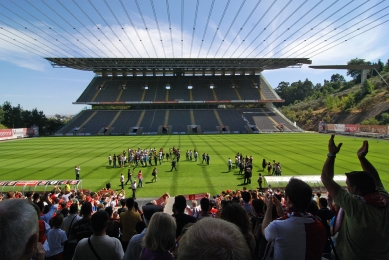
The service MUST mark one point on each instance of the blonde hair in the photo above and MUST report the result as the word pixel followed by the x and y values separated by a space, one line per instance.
pixel 161 233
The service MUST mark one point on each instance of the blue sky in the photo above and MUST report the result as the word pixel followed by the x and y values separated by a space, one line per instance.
pixel 31 30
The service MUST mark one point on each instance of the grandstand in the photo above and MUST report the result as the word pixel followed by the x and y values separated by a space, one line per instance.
pixel 177 96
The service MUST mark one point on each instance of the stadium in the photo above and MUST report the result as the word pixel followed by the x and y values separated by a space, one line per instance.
pixel 139 94
pixel 180 107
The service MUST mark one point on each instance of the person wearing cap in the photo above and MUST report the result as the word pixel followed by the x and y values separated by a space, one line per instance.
pixel 365 225
pixel 135 247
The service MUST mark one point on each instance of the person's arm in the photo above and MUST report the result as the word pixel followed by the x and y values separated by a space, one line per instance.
pixel 327 174
pixel 367 166
pixel 268 214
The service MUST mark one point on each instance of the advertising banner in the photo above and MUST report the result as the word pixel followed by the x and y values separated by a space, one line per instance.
pixel 351 128
pixel 339 127
pixel 330 127
pixel 6 134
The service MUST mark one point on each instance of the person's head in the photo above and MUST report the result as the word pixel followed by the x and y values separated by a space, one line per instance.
pixel 86 209
pixel 213 238
pixel 180 204
pixel 57 221
pixel 234 213
pixel 313 208
pixel 73 209
pixel 161 233
pixel 130 203
pixel 323 203
pixel 258 206
pixel 109 210
pixel 18 229
pixel 99 221
pixel 360 183
pixel 148 211
pixel 298 194
pixel 204 204
pixel 123 202
pixel 246 196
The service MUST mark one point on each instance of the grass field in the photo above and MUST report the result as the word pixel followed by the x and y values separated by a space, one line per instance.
pixel 49 158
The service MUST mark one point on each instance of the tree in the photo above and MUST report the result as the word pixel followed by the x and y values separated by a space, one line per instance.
pixel 337 78
pixel 356 74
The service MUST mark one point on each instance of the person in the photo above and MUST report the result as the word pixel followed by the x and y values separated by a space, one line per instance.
pixel 207 158
pixel 109 160
pixel 52 207
pixel 174 163
pixel 160 237
pixel 229 163
pixel 260 182
pixel 204 156
pixel 99 245
pixel 18 215
pixel 205 209
pixel 181 218
pixel 56 238
pixel 113 228
pixel 264 164
pixel 213 238
pixel 68 223
pixel 83 228
pixel 247 174
pixel 274 167
pixel 128 222
pixel 154 173
pixel 140 178
pixel 129 175
pixel 234 213
pixel 122 181
pixel 135 246
pixel 196 155
pixel 325 215
pixel 297 234
pixel 114 161
pixel 362 234
pixel 133 187
pixel 77 170
pixel 269 168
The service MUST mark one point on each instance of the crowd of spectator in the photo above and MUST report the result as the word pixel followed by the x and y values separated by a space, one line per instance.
pixel 242 224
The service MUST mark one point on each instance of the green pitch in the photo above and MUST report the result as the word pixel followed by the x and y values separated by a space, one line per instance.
pixel 53 158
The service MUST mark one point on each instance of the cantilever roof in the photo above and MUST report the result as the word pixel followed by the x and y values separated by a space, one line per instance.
pixel 104 64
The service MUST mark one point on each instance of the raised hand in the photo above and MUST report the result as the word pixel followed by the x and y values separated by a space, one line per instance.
pixel 363 150
pixel 332 147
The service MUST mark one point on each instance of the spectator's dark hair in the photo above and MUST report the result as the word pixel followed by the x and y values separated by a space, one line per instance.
pixel 313 208
pixel 57 220
pixel 123 202
pixel 73 209
pixel 362 180
pixel 258 206
pixel 46 209
pixel 109 210
pixel 86 208
pixel 299 193
pixel 180 203
pixel 140 226
pixel 323 202
pixel 234 213
pixel 204 204
pixel 41 205
pixel 130 203
pixel 36 196
pixel 65 211
pixel 246 196
pixel 99 221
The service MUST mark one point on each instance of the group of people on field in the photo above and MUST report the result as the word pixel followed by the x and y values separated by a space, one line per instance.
pixel 272 168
